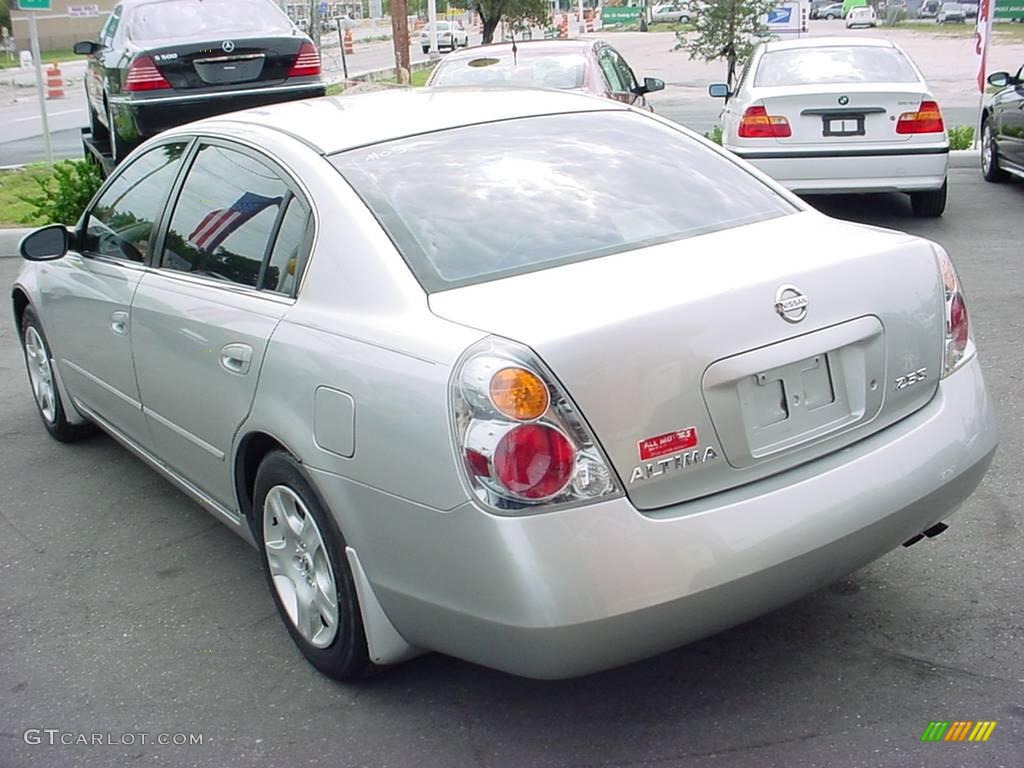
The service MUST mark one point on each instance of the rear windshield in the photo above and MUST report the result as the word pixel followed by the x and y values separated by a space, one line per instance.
pixel 835 64
pixel 481 202
pixel 190 19
pixel 553 70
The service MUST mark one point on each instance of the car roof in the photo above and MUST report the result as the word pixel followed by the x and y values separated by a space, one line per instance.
pixel 829 42
pixel 338 123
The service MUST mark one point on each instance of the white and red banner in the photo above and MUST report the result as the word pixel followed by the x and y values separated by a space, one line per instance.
pixel 982 38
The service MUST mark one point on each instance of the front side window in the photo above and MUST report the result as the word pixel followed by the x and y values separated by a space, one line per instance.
pixel 834 65
pixel 110 28
pixel 225 217
pixel 481 202
pixel 120 224
pixel 611 72
pixel 626 76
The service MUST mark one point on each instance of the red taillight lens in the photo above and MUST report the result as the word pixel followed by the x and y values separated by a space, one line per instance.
pixel 144 76
pixel 957 323
pixel 307 62
pixel 927 119
pixel 534 461
pixel 756 123
pixel 959 332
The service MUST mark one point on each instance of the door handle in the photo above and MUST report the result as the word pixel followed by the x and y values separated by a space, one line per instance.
pixel 236 358
pixel 119 322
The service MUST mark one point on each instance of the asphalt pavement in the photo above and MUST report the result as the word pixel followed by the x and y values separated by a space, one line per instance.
pixel 127 610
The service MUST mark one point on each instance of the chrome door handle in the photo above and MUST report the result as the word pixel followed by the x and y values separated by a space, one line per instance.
pixel 236 358
pixel 119 322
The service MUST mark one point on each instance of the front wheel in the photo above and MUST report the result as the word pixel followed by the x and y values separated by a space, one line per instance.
pixel 304 561
pixel 930 203
pixel 990 169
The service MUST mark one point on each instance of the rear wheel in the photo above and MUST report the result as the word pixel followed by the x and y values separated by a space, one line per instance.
pixel 990 156
pixel 304 561
pixel 930 203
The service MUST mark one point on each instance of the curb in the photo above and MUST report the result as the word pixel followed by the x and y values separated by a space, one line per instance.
pixel 965 158
pixel 9 239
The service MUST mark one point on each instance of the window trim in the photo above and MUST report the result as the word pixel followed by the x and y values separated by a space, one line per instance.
pixel 294 190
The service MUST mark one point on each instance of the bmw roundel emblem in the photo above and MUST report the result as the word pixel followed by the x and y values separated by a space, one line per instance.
pixel 844 100
pixel 229 46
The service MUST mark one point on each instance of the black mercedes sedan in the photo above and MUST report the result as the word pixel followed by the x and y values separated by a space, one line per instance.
pixel 162 63
pixel 1002 128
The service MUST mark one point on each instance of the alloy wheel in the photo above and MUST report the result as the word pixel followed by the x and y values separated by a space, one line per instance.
pixel 41 375
pixel 986 149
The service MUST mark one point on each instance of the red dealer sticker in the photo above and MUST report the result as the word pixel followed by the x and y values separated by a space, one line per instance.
pixel 670 442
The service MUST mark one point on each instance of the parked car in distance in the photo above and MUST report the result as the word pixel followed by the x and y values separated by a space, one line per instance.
pixel 862 16
pixel 814 7
pixel 161 63
pixel 840 114
pixel 1002 128
pixel 432 437
pixel 673 13
pixel 450 35
pixel 831 11
pixel 951 13
pixel 929 9
pixel 584 65
pixel 970 8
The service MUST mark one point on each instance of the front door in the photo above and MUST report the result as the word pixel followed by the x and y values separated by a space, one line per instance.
pixel 1008 106
pixel 88 293
pixel 203 319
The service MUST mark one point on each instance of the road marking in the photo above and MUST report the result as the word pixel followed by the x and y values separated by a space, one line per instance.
pixel 48 114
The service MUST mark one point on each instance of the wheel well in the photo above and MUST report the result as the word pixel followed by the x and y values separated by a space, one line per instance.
pixel 253 449
pixel 20 305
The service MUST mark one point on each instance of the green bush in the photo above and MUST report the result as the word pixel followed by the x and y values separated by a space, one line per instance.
pixel 961 137
pixel 715 135
pixel 65 193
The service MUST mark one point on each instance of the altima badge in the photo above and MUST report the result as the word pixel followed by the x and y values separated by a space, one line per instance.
pixel 791 303
pixel 228 46
pixel 686 460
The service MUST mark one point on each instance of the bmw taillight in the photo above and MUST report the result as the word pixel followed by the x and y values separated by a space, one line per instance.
pixel 521 443
pixel 143 75
pixel 957 329
pixel 307 62
pixel 927 119
pixel 756 123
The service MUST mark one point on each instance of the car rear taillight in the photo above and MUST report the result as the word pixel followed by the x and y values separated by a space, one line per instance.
pixel 306 63
pixel 143 75
pixel 756 123
pixel 956 350
pixel 927 119
pixel 521 442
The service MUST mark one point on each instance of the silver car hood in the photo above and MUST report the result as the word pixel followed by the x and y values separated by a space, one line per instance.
pixel 654 343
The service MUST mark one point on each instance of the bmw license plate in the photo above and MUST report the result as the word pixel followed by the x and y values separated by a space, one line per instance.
pixel 843 125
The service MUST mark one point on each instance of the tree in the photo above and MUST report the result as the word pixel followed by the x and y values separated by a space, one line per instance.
pixel 727 29
pixel 534 12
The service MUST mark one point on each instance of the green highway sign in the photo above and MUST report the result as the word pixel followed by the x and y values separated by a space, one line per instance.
pixel 626 14
pixel 34 5
pixel 1008 9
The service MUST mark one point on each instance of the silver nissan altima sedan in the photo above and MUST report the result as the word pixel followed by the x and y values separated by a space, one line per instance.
pixel 476 373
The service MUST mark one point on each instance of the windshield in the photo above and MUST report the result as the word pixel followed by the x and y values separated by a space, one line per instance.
pixel 538 70
pixel 838 64
pixel 477 203
pixel 206 18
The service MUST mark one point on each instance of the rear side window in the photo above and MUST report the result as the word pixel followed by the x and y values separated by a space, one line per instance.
pixel 486 201
pixel 191 19
pixel 834 64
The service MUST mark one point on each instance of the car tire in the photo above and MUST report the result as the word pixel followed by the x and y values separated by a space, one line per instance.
pixel 929 203
pixel 119 148
pixel 427 49
pixel 96 128
pixel 990 169
pixel 307 570
pixel 45 391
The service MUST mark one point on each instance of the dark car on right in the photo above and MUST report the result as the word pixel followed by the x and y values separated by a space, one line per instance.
pixel 1002 128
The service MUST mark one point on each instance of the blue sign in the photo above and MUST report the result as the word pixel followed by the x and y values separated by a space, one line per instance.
pixel 323 9
pixel 779 15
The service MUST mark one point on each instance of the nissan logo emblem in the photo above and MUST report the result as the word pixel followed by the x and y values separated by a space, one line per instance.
pixel 791 303
pixel 228 46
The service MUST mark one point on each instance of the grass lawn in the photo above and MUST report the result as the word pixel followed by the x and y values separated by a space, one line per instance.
pixel 953 30
pixel 664 26
pixel 47 56
pixel 14 185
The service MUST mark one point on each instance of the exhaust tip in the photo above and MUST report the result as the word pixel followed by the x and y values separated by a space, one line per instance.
pixel 931 533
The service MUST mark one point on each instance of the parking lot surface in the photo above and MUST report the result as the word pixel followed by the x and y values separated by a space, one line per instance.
pixel 127 610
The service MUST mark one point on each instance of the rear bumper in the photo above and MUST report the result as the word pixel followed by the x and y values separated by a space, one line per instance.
pixel 867 170
pixel 144 117
pixel 580 590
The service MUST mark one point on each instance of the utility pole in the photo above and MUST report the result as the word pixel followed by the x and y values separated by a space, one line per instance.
pixel 400 36
pixel 314 22
pixel 432 20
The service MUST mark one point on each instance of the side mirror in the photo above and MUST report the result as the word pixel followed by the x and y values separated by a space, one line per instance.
pixel 45 244
pixel 85 48
pixel 999 79
pixel 652 84
pixel 719 91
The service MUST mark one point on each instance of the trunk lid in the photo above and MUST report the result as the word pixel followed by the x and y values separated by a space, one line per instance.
pixel 817 114
pixel 206 64
pixel 690 378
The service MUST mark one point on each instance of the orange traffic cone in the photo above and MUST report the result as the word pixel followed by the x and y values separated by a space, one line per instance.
pixel 349 49
pixel 54 82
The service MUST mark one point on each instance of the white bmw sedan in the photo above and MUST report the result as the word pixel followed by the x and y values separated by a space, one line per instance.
pixel 839 114
pixel 554 408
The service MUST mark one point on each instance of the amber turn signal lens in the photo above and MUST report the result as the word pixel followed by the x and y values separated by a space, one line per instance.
pixel 519 394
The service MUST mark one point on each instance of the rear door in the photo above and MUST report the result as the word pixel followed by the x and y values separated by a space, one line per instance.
pixel 228 267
